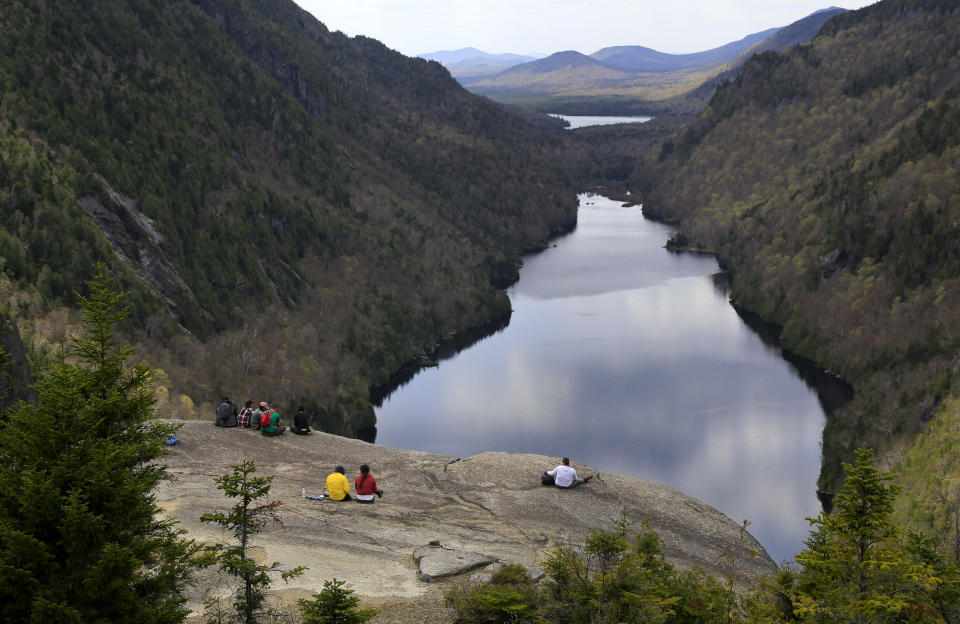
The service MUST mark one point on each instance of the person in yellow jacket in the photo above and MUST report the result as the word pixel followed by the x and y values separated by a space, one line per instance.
pixel 338 488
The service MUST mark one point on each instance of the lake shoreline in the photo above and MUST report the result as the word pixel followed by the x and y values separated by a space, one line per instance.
pixel 644 344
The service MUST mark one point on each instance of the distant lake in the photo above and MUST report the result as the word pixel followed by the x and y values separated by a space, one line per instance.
pixel 578 121
pixel 630 359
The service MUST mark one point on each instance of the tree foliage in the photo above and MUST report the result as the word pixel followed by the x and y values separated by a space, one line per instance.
pixel 237 163
pixel 334 604
pixel 826 180
pixel 858 567
pixel 81 536
pixel 245 520
pixel 617 575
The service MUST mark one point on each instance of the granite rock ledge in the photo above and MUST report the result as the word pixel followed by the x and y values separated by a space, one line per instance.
pixel 491 505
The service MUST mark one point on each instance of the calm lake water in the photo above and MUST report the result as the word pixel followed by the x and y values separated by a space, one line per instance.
pixel 630 359
pixel 582 121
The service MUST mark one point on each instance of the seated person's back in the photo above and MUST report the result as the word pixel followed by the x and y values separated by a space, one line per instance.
pixel 274 424
pixel 566 477
pixel 365 485
pixel 301 422
pixel 338 488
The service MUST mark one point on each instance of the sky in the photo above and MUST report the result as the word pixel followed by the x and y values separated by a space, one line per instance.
pixel 541 27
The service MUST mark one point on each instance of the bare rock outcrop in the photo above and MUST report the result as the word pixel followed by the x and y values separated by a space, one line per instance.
pixel 490 504
pixel 16 378
pixel 436 561
pixel 139 245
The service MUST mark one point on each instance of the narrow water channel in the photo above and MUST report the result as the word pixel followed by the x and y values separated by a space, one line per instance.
pixel 630 359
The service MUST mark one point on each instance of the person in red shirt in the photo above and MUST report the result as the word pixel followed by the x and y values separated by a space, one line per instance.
pixel 366 485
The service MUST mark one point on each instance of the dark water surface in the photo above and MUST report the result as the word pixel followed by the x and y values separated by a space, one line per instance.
pixel 630 358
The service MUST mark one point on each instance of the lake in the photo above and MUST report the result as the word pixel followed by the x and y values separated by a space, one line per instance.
pixel 582 121
pixel 630 358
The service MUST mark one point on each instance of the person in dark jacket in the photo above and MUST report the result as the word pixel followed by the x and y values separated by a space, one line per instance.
pixel 301 422
pixel 226 414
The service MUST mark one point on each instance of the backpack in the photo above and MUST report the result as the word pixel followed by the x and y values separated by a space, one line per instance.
pixel 265 419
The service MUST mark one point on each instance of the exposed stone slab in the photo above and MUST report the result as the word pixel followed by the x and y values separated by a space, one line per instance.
pixel 438 562
pixel 491 503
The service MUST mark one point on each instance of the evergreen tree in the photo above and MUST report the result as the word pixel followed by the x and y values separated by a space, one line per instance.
pixel 81 536
pixel 855 567
pixel 334 605
pixel 246 519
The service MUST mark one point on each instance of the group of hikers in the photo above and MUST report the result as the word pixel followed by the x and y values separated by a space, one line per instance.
pixel 269 422
pixel 337 487
pixel 262 417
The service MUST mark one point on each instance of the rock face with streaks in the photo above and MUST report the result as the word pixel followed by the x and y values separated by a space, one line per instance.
pixel 491 506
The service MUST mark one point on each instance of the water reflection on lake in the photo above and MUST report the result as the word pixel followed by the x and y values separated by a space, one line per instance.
pixel 630 359
pixel 582 121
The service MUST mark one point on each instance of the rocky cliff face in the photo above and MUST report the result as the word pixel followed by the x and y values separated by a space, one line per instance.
pixel 137 243
pixel 486 508
pixel 15 375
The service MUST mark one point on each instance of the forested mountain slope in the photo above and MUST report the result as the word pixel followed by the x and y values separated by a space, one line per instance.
pixel 827 180
pixel 295 213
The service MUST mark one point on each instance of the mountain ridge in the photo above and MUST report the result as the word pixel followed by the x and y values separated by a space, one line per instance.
pixel 643 59
pixel 648 82
pixel 825 179
pixel 277 171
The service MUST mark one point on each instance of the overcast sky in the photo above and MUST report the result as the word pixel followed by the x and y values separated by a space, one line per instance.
pixel 547 26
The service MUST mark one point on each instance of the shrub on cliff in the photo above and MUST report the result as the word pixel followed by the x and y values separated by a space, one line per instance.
pixel 81 539
pixel 334 605
pixel 857 566
pixel 617 575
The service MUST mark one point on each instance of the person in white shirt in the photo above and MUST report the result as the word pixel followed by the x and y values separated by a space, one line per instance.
pixel 566 477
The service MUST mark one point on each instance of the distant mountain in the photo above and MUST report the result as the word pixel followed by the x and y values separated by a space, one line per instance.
pixel 785 38
pixel 558 61
pixel 618 79
pixel 559 73
pixel 641 59
pixel 468 56
pixel 470 64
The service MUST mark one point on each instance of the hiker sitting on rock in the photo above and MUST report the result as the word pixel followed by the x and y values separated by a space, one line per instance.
pixel 338 488
pixel 366 485
pixel 246 414
pixel 270 423
pixel 566 477
pixel 226 414
pixel 258 415
pixel 301 423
